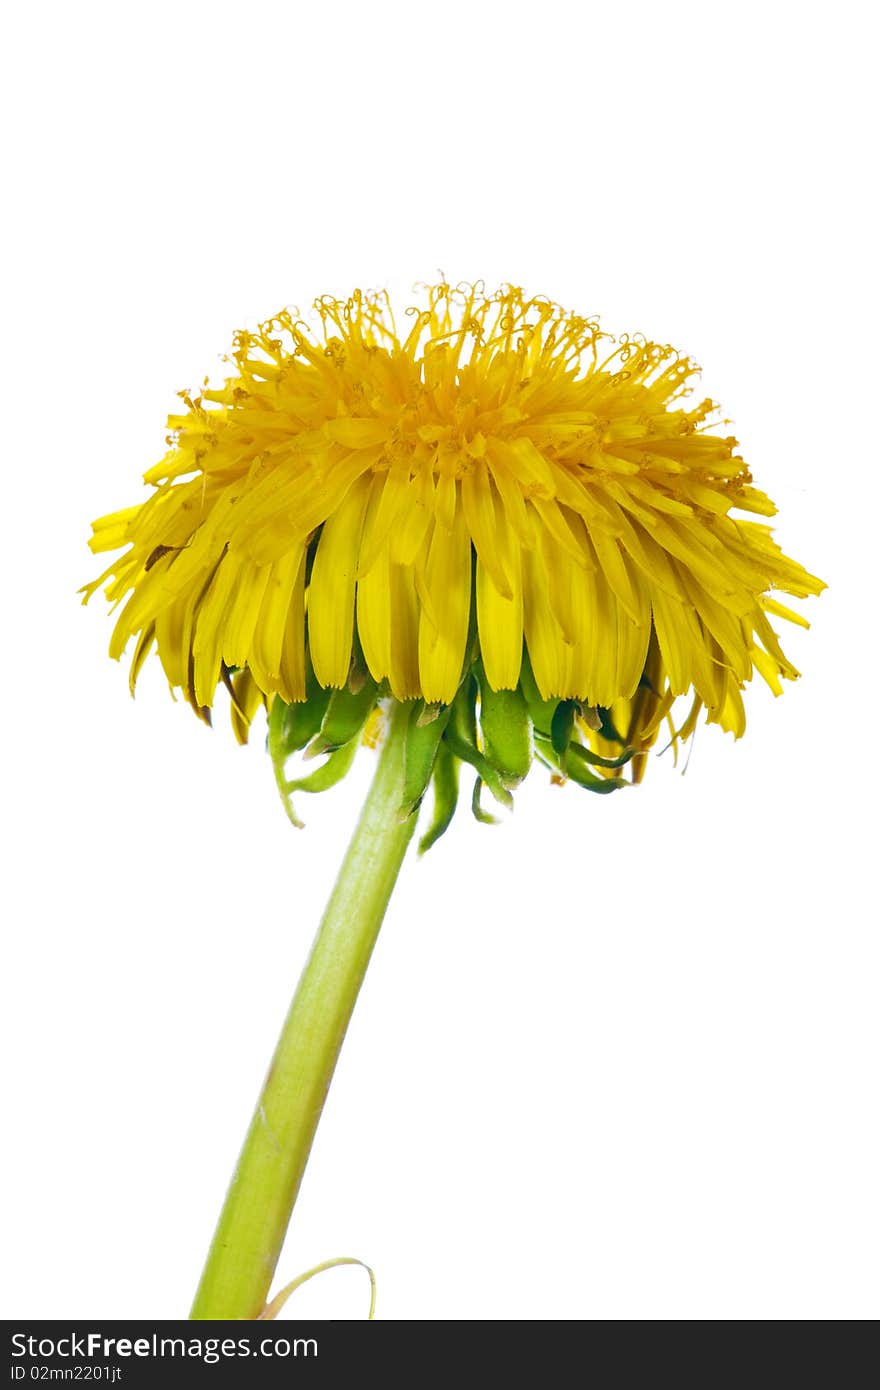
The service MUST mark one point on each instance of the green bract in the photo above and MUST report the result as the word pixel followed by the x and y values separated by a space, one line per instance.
pixel 497 734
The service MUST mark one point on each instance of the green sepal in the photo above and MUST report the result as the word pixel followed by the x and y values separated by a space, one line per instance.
pixel 505 725
pixel 541 711
pixel 487 772
pixel 607 729
pixel 279 752
pixel 562 726
pixel 484 817
pixel 576 771
pixel 419 754
pixel 445 790
pixel 461 736
pixel 329 773
pixel 346 715
pixel 282 742
pixel 588 756
pixel 303 718
pixel 464 710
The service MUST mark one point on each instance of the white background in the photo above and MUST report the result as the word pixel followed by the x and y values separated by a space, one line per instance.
pixel 617 1059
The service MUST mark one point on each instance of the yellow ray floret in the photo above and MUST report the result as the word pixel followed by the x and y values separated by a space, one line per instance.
pixel 500 477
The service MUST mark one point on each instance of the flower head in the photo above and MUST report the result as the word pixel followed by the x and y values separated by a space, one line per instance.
pixel 490 496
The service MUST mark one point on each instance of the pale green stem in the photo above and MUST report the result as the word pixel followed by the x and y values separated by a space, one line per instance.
pixel 253 1222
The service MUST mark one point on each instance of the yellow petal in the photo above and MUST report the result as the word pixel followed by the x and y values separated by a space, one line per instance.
pixel 543 634
pixel 332 587
pixel 483 524
pixel 388 497
pixel 592 659
pixel 374 616
pixel 448 578
pixel 405 625
pixel 499 618
pixel 293 648
pixel 271 625
pixel 239 631
pixel 209 626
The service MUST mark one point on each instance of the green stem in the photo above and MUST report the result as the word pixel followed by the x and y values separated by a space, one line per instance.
pixel 264 1187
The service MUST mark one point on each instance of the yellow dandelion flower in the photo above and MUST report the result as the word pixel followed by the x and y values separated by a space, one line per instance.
pixel 518 534
pixel 496 487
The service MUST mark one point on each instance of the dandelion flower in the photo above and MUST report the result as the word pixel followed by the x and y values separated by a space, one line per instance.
pixel 499 479
pixel 522 537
